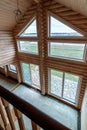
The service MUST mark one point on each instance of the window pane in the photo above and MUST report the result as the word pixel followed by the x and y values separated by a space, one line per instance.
pixel 31 30
pixel 70 87
pixel 67 50
pixel 12 68
pixel 56 82
pixel 26 73
pixel 31 74
pixel 35 75
pixel 57 28
pixel 27 46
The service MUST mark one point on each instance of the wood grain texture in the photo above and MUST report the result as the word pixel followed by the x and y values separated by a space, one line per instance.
pixel 45 62
pixel 7 48
pixel 77 5
pixel 7 12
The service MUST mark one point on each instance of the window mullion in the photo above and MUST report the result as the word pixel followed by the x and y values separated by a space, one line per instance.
pixel 30 73
pixel 63 84
pixel 49 28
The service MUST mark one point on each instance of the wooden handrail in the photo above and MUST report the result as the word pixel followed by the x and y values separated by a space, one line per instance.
pixel 1 128
pixel 40 118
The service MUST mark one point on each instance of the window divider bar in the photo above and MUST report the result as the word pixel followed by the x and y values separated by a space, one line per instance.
pixel 63 83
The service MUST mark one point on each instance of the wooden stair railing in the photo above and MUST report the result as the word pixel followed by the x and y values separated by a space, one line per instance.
pixel 9 115
pixel 37 117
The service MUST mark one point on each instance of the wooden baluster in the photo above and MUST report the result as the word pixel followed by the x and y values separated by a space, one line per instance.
pixel 35 126
pixel 1 128
pixel 20 119
pixel 9 114
pixel 4 116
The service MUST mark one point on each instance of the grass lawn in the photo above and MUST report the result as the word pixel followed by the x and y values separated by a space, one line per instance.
pixel 69 51
pixel 31 47
pixel 68 76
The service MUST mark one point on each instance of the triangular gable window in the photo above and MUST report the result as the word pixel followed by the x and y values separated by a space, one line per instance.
pixel 31 30
pixel 57 28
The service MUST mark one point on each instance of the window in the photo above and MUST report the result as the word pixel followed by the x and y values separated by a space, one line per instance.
pixel 28 46
pixel 31 74
pixel 67 50
pixel 12 68
pixel 57 28
pixel 31 30
pixel 63 85
pixel 2 67
pixel 56 82
pixel 38 54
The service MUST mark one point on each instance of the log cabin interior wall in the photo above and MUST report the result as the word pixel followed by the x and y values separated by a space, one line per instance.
pixel 8 54
pixel 7 12
pixel 40 10
pixel 7 48
pixel 77 5
pixel 69 13
pixel 7 41
pixel 75 20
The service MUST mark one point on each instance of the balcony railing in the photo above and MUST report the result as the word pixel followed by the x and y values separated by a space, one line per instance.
pixel 22 107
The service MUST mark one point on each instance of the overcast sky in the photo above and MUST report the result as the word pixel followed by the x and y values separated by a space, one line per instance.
pixel 57 27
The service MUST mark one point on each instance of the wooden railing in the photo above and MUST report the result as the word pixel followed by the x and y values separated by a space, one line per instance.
pixel 37 116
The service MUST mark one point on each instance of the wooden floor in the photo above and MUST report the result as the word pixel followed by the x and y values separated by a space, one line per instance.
pixel 54 108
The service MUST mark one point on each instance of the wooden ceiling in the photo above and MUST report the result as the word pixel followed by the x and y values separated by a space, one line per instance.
pixel 7 15
pixel 7 8
pixel 76 5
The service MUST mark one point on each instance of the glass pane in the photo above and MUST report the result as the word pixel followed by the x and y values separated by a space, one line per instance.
pixel 70 87
pixel 31 74
pixel 26 73
pixel 56 82
pixel 57 28
pixel 27 46
pixel 12 68
pixel 67 50
pixel 31 30
pixel 35 75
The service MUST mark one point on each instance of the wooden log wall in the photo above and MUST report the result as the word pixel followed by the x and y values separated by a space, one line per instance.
pixel 9 73
pixel 7 48
pixel 69 17
pixel 8 53
pixel 2 71
pixel 25 20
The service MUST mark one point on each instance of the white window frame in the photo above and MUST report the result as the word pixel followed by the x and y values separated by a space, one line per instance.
pixel 61 97
pixel 67 58
pixel 33 85
pixel 50 14
pixel 33 18
pixel 2 67
pixel 12 70
pixel 28 52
